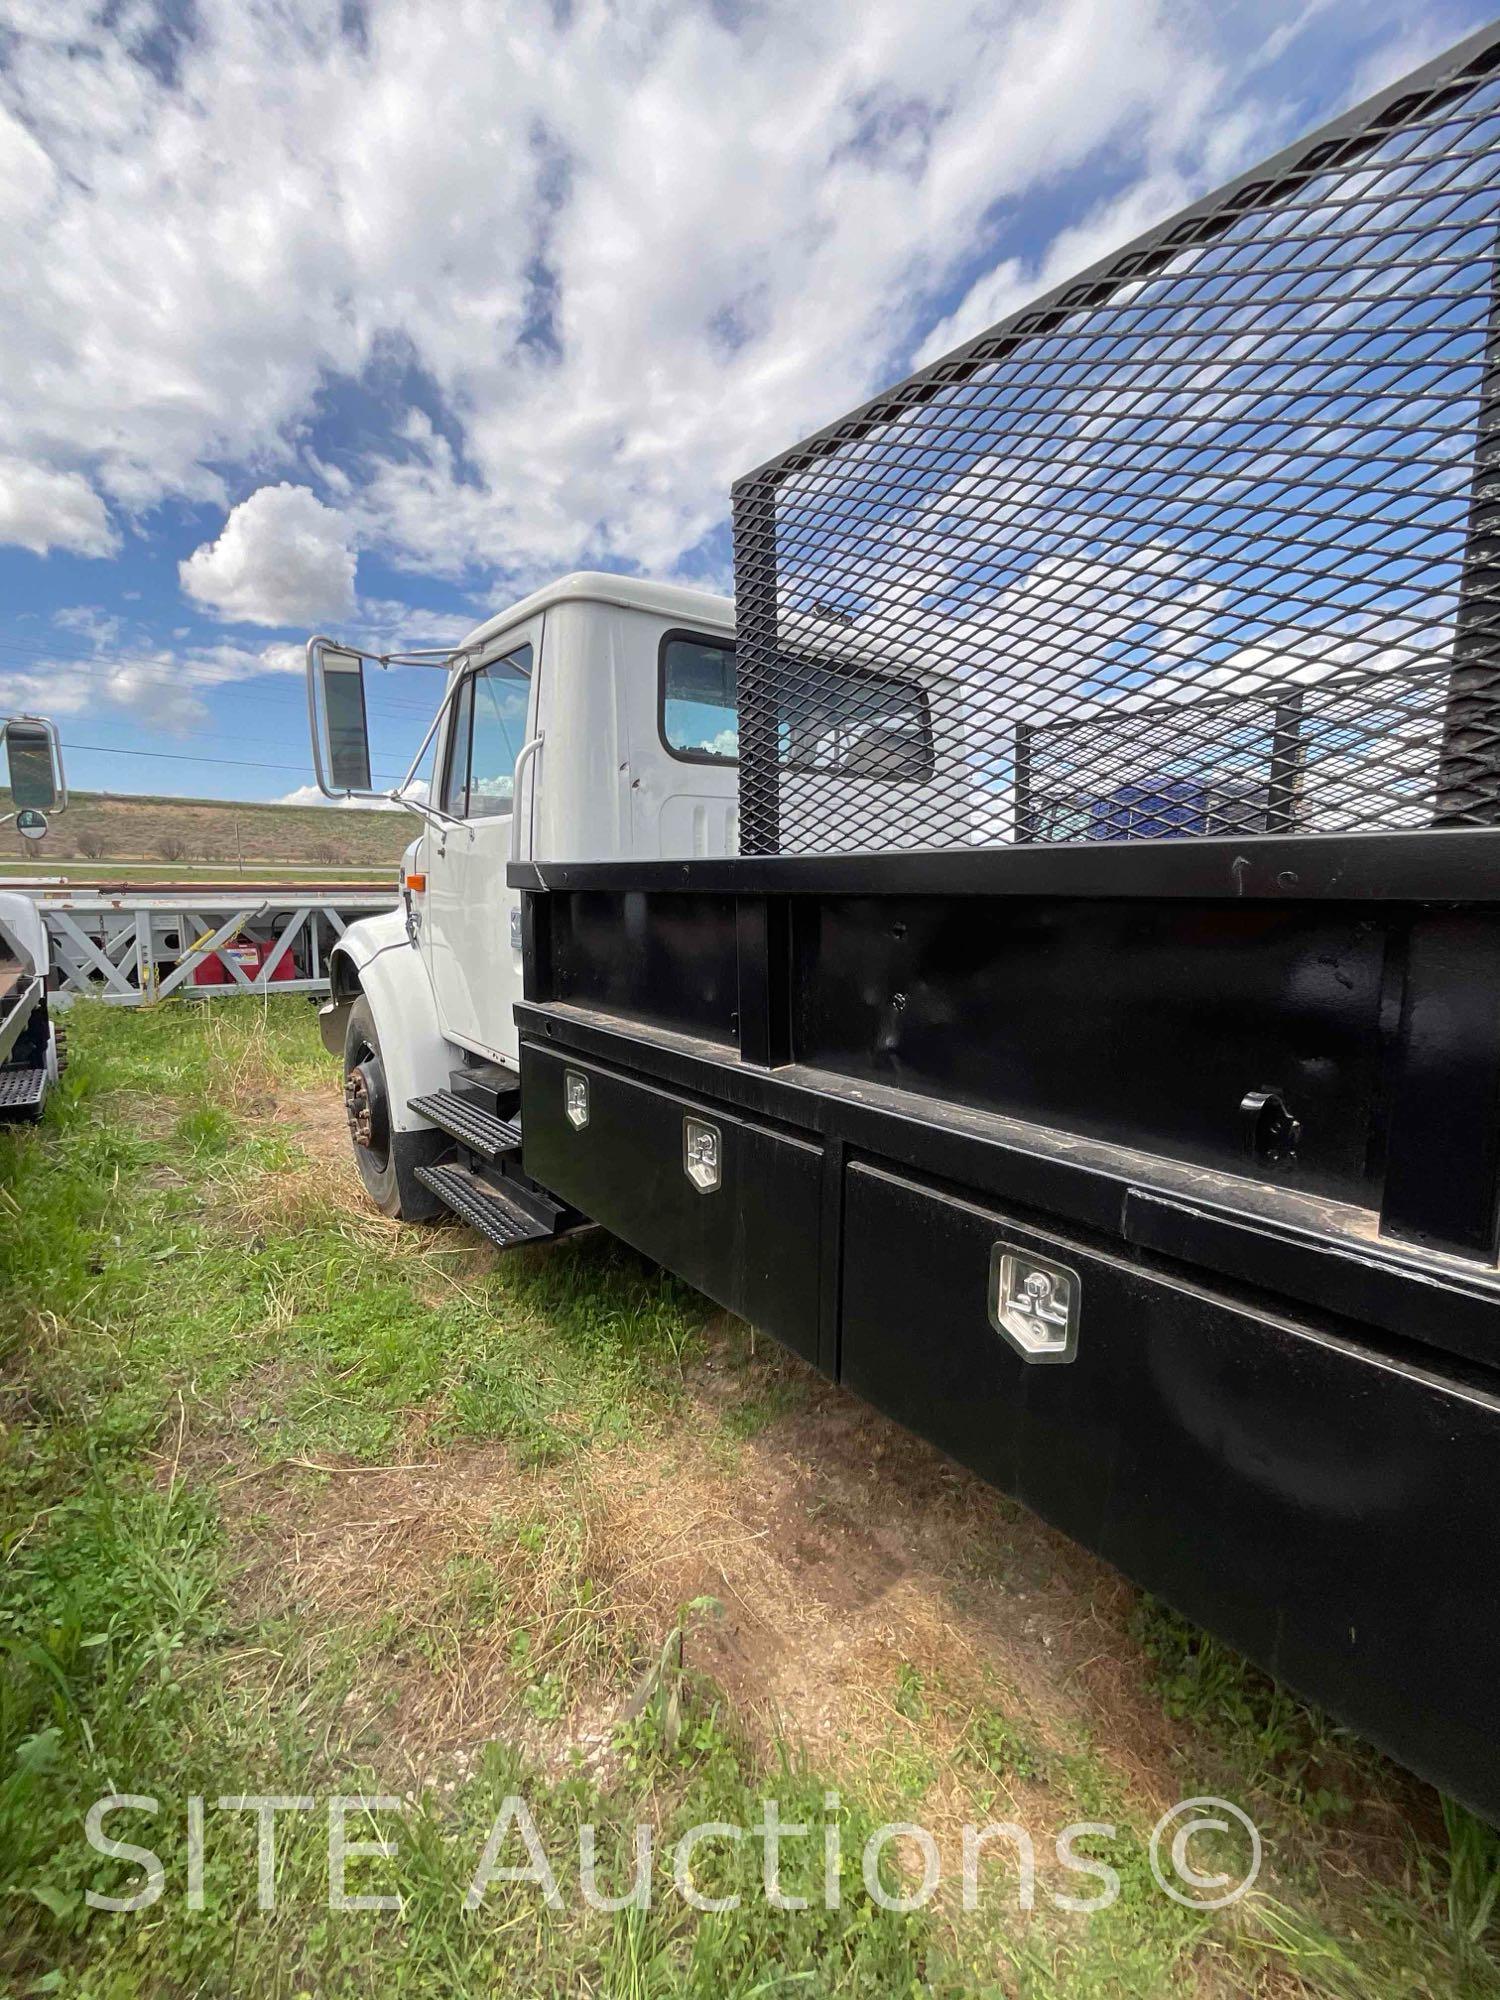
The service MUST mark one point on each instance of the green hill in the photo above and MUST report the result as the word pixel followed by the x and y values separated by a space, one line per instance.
pixel 179 835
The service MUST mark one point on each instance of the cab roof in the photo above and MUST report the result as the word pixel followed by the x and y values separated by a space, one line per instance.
pixel 699 608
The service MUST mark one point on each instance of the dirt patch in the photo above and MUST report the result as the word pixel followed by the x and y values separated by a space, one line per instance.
pixel 315 1121
pixel 439 1260
pixel 853 1593
pixel 353 1549
pixel 875 1598
pixel 311 1122
pixel 835 1558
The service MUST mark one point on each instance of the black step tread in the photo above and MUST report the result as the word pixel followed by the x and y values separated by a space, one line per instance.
pixel 480 1130
pixel 21 1089
pixel 483 1207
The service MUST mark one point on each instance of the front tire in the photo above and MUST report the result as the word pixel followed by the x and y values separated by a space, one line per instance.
pixel 387 1159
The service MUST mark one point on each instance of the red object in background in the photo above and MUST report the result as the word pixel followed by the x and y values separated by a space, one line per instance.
pixel 212 971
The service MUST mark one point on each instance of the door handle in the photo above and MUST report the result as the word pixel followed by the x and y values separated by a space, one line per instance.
pixel 528 752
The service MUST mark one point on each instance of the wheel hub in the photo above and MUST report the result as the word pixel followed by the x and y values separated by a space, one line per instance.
pixel 365 1106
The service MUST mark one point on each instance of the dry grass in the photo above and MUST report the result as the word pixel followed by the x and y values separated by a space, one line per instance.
pixel 213 832
pixel 842 1557
pixel 478 1511
pixel 842 1552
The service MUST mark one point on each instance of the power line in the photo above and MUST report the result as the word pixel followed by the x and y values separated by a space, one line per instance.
pixel 190 735
pixel 50 652
pixel 193 735
pixel 185 757
pixel 166 677
pixel 298 699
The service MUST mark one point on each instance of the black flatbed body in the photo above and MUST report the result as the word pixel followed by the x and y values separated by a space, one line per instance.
pixel 1093 1058
pixel 1283 1411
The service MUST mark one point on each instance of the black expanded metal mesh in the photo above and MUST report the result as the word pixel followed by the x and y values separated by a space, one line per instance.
pixel 1205 543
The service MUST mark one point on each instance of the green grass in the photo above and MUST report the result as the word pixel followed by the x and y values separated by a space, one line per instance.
pixel 122 1660
pixel 185 1307
pixel 1293 1750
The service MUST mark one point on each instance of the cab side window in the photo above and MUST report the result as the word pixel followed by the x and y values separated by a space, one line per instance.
pixel 497 733
pixel 456 769
pixel 485 733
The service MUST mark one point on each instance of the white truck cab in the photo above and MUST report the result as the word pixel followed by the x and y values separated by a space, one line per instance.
pixel 594 720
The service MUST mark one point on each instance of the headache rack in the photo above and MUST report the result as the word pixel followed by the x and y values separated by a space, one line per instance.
pixel 1206 542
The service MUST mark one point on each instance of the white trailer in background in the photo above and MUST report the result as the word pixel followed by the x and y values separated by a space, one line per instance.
pixel 31 1046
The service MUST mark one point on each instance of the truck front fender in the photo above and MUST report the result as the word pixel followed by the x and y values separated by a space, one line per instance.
pixel 377 958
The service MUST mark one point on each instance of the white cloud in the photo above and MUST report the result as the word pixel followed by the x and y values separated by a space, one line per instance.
pixel 91 622
pixel 386 625
pixel 1014 282
pixel 282 558
pixel 159 686
pixel 41 509
pixel 678 241
pixel 26 175
pixel 126 671
pixel 309 795
pixel 285 657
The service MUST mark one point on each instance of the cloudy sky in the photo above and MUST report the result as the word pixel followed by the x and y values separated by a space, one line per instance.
pixel 368 316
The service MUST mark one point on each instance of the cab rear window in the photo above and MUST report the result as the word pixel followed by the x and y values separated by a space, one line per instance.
pixel 699 713
pixel 854 723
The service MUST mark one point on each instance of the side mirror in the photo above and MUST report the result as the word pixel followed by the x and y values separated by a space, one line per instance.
pixel 33 757
pixel 336 698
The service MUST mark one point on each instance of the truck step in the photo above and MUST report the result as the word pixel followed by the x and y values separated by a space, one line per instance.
pixel 495 1214
pixel 490 1137
pixel 494 1087
pixel 21 1091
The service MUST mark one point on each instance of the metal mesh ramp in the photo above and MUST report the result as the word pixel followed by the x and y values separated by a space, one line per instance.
pixel 1206 542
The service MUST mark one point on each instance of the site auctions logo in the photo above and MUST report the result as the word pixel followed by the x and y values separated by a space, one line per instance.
pixel 515 1853
pixel 1180 1879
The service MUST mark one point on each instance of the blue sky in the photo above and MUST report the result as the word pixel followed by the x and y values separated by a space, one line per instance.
pixel 368 317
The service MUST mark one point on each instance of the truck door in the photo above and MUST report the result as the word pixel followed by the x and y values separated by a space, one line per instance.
pixel 475 966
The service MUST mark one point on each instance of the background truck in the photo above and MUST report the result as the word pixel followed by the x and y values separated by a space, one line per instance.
pixel 31 1040
pixel 1042 962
